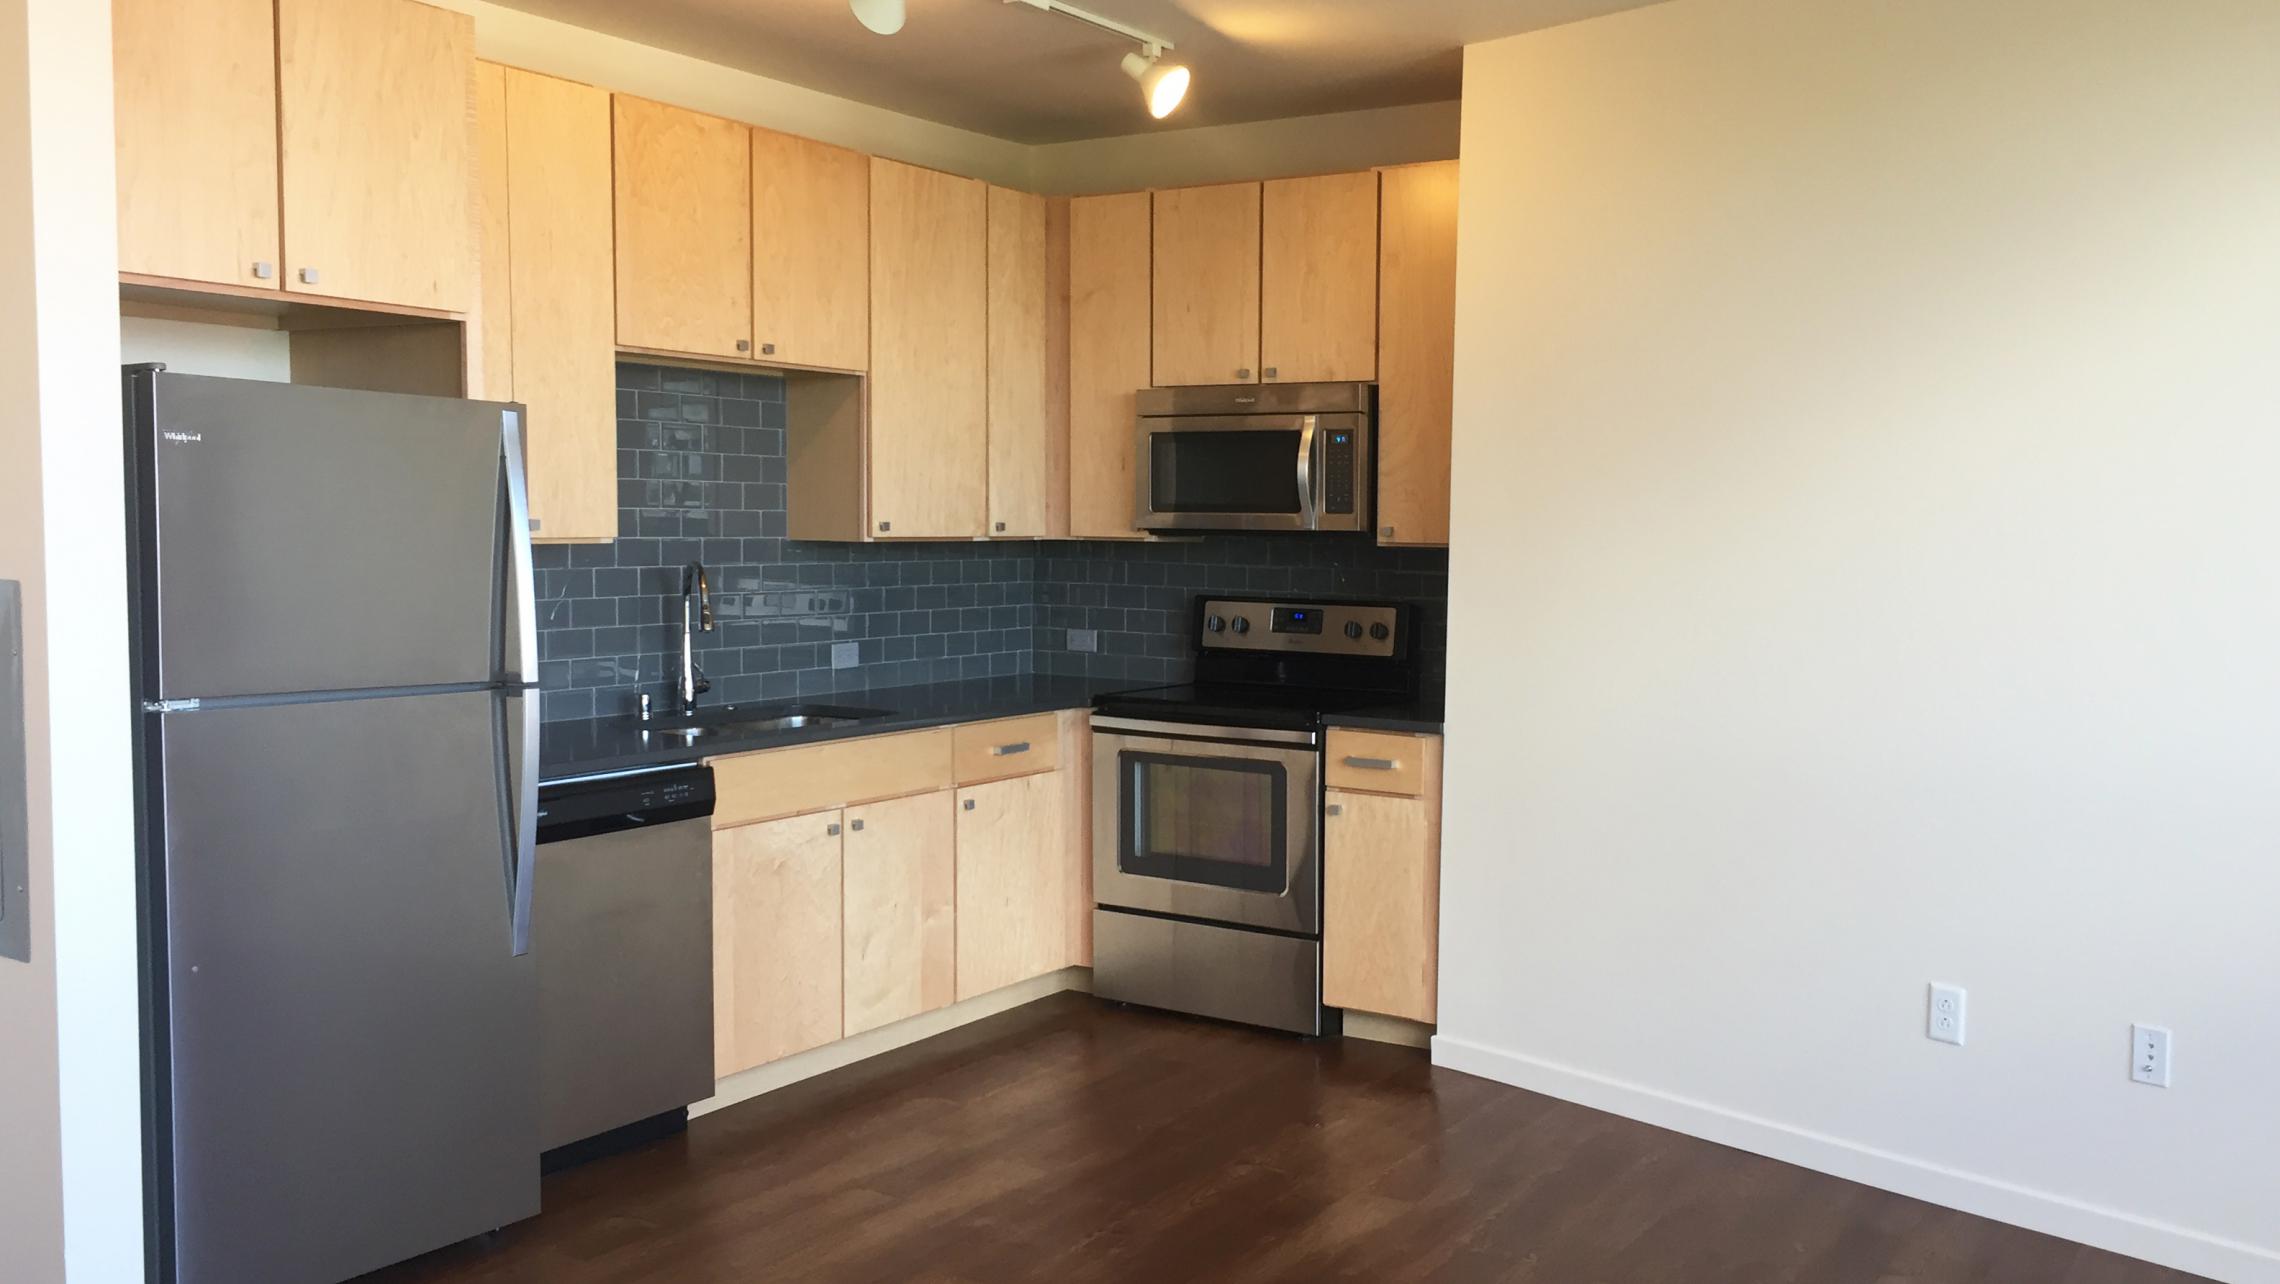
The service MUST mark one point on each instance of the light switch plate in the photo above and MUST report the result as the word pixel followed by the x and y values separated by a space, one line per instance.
pixel 15 818
pixel 846 655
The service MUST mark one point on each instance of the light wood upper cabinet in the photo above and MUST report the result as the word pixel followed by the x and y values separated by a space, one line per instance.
pixel 776 940
pixel 1109 328
pixel 899 938
pixel 376 150
pixel 1318 279
pixel 1381 889
pixel 929 396
pixel 1013 871
pixel 811 248
pixel 196 101
pixel 1023 502
pixel 684 230
pixel 1207 285
pixel 494 321
pixel 561 320
pixel 1417 326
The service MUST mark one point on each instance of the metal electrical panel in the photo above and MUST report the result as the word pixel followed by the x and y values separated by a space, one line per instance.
pixel 15 820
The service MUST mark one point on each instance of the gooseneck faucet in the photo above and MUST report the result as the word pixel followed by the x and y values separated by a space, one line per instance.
pixel 696 613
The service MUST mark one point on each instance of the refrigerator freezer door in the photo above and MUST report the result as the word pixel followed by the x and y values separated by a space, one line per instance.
pixel 352 1065
pixel 314 539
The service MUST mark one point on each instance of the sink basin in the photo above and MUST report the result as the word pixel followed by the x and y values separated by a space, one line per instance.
pixel 745 719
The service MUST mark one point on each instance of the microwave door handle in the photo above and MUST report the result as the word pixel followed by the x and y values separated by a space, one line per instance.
pixel 1308 518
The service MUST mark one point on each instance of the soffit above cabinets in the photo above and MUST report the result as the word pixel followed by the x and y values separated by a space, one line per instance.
pixel 1015 73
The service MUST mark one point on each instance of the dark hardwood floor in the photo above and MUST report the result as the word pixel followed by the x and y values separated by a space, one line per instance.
pixel 1071 1141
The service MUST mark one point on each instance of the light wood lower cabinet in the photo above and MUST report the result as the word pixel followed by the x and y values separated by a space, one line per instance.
pixel 898 939
pixel 1381 885
pixel 1013 871
pixel 776 939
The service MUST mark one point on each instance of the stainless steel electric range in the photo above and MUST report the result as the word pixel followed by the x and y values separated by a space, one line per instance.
pixel 1207 807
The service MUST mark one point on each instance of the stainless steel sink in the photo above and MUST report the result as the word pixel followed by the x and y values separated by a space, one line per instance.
pixel 745 719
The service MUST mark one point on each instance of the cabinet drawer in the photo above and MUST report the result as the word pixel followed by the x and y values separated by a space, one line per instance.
pixel 1010 747
pixel 1378 762
pixel 787 782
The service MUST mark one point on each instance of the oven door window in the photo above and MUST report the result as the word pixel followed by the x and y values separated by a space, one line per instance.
pixel 1224 822
pixel 1253 472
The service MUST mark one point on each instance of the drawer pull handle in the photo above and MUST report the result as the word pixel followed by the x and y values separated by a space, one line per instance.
pixel 1007 751
pixel 1373 764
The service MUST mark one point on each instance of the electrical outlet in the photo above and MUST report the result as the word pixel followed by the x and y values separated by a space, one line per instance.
pixel 1084 639
pixel 1943 1018
pixel 846 655
pixel 2149 1055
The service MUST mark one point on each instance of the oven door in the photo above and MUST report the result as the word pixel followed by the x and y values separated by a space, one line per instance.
pixel 1251 472
pixel 1214 823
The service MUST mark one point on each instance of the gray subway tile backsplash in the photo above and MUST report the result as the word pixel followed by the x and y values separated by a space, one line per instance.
pixel 701 467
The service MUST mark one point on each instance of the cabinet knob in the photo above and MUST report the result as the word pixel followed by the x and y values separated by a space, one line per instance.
pixel 263 270
pixel 1001 526
pixel 767 349
pixel 309 276
pixel 744 345
pixel 969 804
pixel 1269 372
pixel 1244 373
pixel 831 831
pixel 1334 810
pixel 886 526
pixel 855 825
pixel 1385 532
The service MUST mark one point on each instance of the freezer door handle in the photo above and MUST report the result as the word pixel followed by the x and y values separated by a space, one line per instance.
pixel 522 604
pixel 518 779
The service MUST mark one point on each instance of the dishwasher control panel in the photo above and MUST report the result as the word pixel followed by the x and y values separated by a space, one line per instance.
pixel 632 800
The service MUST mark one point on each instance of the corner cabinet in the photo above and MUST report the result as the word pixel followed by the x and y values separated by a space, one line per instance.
pixel 548 318
pixel 1417 330
pixel 1109 358
pixel 1381 874
pixel 320 148
pixel 1027 442
pixel 928 447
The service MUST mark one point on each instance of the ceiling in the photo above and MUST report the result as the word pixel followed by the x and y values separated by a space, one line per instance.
pixel 1031 77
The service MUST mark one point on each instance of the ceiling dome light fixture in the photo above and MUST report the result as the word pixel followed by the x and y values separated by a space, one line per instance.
pixel 1162 86
pixel 882 16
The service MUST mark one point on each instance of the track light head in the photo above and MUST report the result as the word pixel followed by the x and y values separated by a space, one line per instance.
pixel 1163 87
pixel 882 16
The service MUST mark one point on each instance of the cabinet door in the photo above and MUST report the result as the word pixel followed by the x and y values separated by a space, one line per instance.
pixel 1012 881
pixel 494 258
pixel 1207 285
pixel 776 916
pixel 684 230
pixel 196 104
pixel 1318 279
pixel 376 147
pixel 929 397
pixel 1021 476
pixel 1381 903
pixel 900 900
pixel 811 253
pixel 565 352
pixel 1108 358
pixel 1417 331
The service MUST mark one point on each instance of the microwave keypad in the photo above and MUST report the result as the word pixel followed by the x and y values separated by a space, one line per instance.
pixel 1338 474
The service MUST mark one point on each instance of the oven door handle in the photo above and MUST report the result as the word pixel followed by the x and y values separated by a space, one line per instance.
pixel 1309 515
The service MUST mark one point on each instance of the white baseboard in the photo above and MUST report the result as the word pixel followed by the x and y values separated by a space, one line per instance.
pixel 2111 1229
pixel 747 1084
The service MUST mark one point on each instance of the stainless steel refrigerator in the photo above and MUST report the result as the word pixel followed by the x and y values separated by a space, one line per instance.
pixel 335 654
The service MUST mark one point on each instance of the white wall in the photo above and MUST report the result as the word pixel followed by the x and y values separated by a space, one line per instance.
pixel 1866 571
pixel 70 1143
pixel 193 347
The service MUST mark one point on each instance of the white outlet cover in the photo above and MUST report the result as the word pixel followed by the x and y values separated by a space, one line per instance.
pixel 846 655
pixel 1944 1014
pixel 2149 1055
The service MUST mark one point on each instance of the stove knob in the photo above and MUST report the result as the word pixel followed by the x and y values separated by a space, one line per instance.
pixel 1353 629
pixel 1242 625
pixel 1379 633
pixel 1214 623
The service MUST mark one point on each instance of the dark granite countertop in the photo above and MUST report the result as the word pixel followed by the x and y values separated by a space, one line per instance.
pixel 591 745
pixel 1421 716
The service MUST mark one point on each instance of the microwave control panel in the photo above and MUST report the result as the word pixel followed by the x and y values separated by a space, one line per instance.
pixel 1338 471
pixel 1329 628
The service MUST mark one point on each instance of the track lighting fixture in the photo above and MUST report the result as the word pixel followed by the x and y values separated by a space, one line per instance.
pixel 1161 86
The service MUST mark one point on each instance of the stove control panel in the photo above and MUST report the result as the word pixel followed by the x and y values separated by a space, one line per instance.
pixel 1327 628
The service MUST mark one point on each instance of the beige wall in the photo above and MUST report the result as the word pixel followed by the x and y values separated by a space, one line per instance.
pixel 1264 149
pixel 70 1161
pixel 1864 575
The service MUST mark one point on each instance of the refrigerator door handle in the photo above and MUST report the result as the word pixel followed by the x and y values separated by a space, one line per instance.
pixel 523 603
pixel 521 770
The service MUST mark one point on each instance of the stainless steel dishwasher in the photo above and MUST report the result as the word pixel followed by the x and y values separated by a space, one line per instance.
pixel 621 933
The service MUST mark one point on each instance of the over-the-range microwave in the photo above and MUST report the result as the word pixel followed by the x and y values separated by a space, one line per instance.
pixel 1256 457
